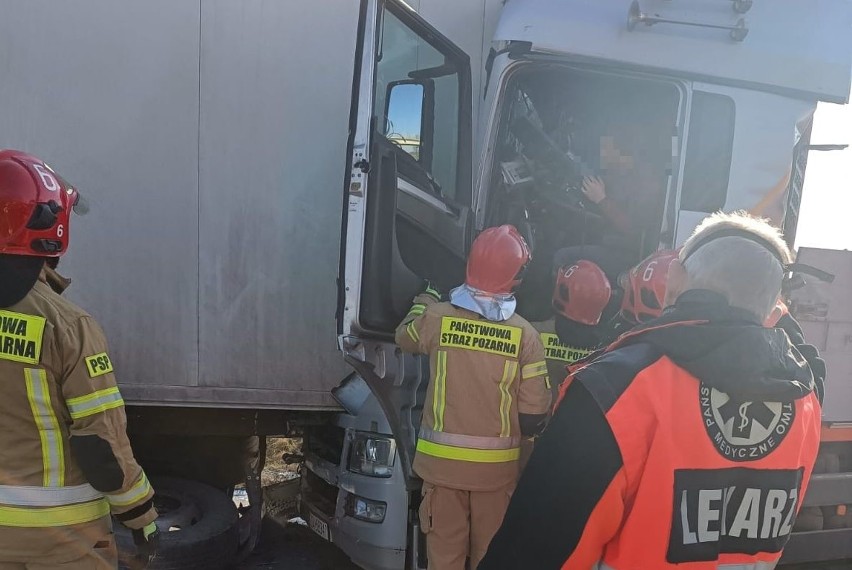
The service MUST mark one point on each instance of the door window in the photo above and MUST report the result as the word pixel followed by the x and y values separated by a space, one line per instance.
pixel 709 147
pixel 417 105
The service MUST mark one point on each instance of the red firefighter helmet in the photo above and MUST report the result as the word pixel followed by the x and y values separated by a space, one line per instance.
pixel 497 261
pixel 645 287
pixel 35 206
pixel 582 292
pixel 778 311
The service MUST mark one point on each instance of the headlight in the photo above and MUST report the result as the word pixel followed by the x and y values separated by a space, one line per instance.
pixel 365 509
pixel 372 455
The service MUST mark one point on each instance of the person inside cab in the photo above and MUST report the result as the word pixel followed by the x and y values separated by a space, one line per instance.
pixel 630 188
pixel 690 441
pixel 488 388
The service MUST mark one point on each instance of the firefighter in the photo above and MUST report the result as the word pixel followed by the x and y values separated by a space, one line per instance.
pixel 581 295
pixel 65 460
pixel 642 290
pixel 488 388
pixel 689 443
pixel 645 288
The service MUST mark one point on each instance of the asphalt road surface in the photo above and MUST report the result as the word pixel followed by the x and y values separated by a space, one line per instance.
pixel 294 547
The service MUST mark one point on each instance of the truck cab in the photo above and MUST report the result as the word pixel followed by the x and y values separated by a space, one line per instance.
pixel 681 108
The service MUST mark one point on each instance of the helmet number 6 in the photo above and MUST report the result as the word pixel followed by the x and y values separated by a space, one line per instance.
pixel 60 230
pixel 649 271
pixel 47 178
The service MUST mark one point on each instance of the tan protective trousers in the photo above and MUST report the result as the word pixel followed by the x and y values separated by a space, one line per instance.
pixel 460 524
pixel 89 546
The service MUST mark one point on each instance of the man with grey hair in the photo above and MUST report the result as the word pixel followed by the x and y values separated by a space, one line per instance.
pixel 714 259
pixel 690 441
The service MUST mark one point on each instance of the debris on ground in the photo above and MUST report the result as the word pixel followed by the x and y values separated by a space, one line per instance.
pixel 291 545
pixel 286 541
pixel 281 500
pixel 277 469
pixel 280 478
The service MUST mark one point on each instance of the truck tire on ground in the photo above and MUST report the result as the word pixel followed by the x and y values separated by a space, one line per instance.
pixel 827 463
pixel 809 519
pixel 198 528
pixel 837 516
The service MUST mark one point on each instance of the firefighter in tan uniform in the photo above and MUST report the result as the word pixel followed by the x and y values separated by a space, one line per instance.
pixel 582 296
pixel 65 460
pixel 488 388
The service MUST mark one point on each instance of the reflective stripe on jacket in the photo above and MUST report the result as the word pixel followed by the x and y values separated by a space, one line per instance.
pixel 61 420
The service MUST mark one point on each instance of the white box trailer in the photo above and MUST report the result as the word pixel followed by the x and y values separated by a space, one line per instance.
pixel 823 309
pixel 211 140
pixel 271 181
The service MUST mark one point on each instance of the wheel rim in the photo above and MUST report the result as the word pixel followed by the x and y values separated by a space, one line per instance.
pixel 176 512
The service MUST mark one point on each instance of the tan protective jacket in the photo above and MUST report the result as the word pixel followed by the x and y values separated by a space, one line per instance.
pixel 483 374
pixel 65 459
pixel 557 354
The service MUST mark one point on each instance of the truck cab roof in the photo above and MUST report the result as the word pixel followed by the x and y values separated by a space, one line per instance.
pixel 794 47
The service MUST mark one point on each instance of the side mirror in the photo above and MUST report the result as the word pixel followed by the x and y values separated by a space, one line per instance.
pixel 409 108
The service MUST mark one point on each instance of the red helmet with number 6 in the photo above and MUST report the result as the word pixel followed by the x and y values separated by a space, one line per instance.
pixel 778 311
pixel 645 287
pixel 497 261
pixel 582 292
pixel 35 206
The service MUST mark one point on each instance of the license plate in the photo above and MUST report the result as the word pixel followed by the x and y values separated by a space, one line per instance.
pixel 317 525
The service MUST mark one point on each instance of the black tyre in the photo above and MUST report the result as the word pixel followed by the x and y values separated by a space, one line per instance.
pixel 837 516
pixel 198 528
pixel 810 518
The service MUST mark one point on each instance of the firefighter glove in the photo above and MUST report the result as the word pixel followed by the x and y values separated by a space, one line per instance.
pixel 146 539
pixel 532 424
pixel 432 290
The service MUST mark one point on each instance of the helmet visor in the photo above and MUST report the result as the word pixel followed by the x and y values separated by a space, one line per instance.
pixel 81 205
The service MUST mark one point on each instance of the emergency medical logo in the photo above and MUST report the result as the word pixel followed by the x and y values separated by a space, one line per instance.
pixel 744 431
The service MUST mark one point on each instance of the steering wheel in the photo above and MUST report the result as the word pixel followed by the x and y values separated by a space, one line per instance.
pixel 574 201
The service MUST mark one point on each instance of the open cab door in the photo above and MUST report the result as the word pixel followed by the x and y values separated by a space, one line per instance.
pixel 407 215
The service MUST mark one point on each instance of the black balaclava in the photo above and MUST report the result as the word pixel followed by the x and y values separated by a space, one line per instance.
pixel 18 274
pixel 589 337
pixel 576 334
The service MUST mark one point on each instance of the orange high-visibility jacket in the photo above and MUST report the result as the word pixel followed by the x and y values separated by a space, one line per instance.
pixel 689 444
